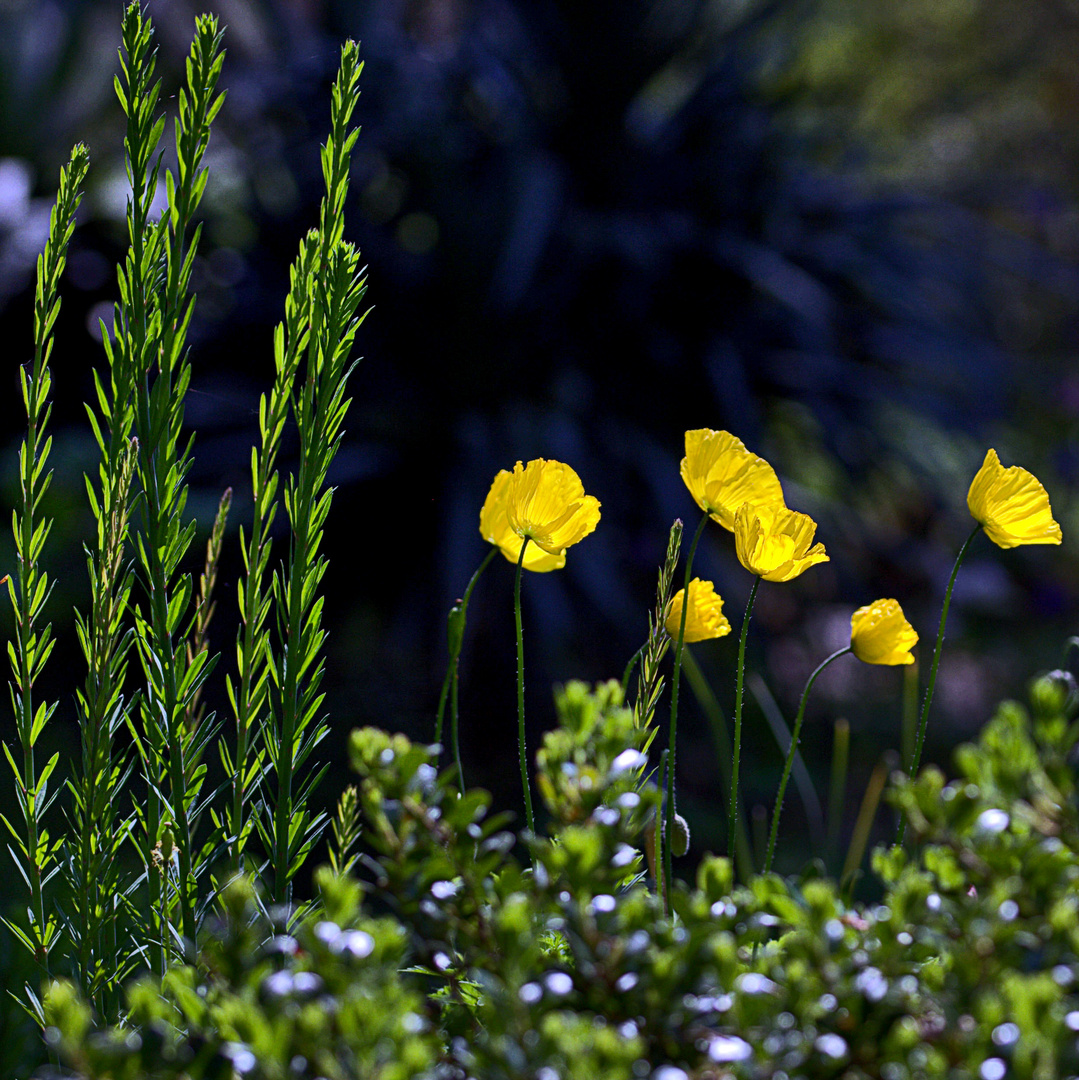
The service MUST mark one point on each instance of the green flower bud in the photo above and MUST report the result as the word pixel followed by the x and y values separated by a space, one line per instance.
pixel 679 836
pixel 455 628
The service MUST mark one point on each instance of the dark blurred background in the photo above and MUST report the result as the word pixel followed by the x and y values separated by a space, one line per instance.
pixel 846 232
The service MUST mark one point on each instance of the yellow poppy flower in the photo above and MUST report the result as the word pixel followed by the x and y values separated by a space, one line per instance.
pixel 545 502
pixel 495 529
pixel 705 618
pixel 880 634
pixel 722 474
pixel 775 543
pixel 1011 505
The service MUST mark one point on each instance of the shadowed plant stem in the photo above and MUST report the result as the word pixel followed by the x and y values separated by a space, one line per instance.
pixel 793 749
pixel 521 689
pixel 706 698
pixel 657 841
pixel 838 786
pixel 923 722
pixel 732 814
pixel 455 637
pixel 455 734
pixel 668 825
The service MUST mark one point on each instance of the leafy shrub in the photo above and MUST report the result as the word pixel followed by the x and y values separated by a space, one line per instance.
pixel 489 967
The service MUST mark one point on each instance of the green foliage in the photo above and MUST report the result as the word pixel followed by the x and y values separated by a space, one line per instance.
pixel 326 1000
pixel 35 853
pixel 440 943
pixel 334 290
pixel 966 967
pixel 141 780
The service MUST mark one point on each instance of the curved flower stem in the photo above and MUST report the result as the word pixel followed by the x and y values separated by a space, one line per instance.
pixel 455 635
pixel 732 815
pixel 923 722
pixel 792 750
pixel 521 689
pixel 668 825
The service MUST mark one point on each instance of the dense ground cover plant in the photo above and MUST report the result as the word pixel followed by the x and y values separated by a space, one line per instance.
pixel 966 966
pixel 439 942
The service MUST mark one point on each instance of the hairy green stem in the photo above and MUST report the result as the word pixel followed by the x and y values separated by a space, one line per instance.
pixel 455 734
pixel 838 786
pixel 668 824
pixel 732 813
pixel 791 751
pixel 924 720
pixel 706 698
pixel 521 690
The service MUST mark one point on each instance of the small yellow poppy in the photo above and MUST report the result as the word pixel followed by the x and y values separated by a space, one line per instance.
pixel 705 618
pixel 880 634
pixel 776 543
pixel 545 502
pixel 1011 505
pixel 722 474
pixel 495 529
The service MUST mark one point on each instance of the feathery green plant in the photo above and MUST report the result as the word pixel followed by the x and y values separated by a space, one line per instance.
pixel 335 288
pixel 244 767
pixel 97 828
pixel 114 922
pixel 198 641
pixel 160 382
pixel 650 679
pixel 150 374
pixel 35 852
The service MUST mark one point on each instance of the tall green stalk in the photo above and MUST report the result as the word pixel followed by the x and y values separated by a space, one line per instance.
pixel 93 863
pixel 732 813
pixel 161 377
pixel 130 348
pixel 522 753
pixel 668 823
pixel 650 678
pixel 199 635
pixel 837 787
pixel 706 699
pixel 924 719
pixel 34 852
pixel 791 751
pixel 337 286
pixel 248 696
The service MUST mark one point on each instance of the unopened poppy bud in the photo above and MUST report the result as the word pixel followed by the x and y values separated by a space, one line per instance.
pixel 679 836
pixel 455 628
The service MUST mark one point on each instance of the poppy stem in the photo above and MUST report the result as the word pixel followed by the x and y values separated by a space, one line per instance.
pixel 455 635
pixel 791 751
pixel 923 722
pixel 732 815
pixel 521 689
pixel 668 825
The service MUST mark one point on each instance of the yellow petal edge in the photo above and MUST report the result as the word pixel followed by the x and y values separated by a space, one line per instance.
pixel 1011 505
pixel 722 475
pixel 495 529
pixel 776 543
pixel 546 502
